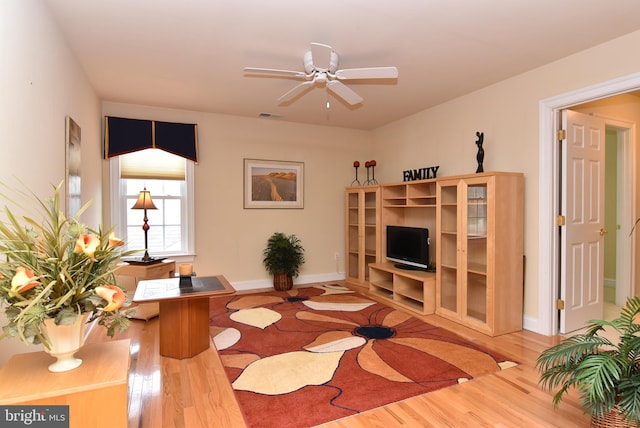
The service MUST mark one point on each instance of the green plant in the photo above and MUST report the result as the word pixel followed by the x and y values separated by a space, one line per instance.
pixel 55 267
pixel 283 254
pixel 606 374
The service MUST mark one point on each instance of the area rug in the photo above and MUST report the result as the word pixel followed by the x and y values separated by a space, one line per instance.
pixel 306 356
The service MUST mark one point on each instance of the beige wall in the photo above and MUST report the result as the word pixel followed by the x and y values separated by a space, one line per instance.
pixel 41 84
pixel 507 113
pixel 229 238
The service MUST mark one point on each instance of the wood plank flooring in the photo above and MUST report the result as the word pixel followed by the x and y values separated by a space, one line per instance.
pixel 195 392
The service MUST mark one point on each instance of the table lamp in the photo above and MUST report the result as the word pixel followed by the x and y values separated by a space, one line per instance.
pixel 145 203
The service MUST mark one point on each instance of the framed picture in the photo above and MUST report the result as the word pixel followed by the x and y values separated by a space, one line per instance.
pixel 72 179
pixel 273 184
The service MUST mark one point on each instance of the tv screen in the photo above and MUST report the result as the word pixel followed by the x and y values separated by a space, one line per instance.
pixel 408 246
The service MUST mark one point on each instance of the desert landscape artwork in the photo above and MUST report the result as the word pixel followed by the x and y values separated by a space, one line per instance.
pixel 273 184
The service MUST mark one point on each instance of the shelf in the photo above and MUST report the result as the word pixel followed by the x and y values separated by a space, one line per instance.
pixel 394 203
pixel 412 289
pixel 387 294
pixel 387 285
pixel 477 268
pixel 417 295
pixel 408 303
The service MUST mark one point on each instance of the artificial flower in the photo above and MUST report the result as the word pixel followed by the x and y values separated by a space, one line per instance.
pixel 114 296
pixel 87 244
pixel 23 280
pixel 115 241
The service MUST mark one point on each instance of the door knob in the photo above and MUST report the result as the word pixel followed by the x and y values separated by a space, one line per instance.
pixel 603 232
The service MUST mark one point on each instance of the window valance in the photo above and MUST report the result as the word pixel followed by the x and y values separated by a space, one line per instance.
pixel 122 135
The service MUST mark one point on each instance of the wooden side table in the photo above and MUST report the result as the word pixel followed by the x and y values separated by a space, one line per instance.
pixel 164 269
pixel 184 311
pixel 96 392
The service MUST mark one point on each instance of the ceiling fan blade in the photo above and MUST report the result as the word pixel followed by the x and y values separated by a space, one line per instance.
pixel 367 73
pixel 295 92
pixel 275 72
pixel 344 92
pixel 321 55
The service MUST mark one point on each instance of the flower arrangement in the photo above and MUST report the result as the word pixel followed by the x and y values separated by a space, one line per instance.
pixel 55 267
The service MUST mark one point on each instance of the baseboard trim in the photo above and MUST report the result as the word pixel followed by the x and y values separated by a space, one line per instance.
pixel 259 284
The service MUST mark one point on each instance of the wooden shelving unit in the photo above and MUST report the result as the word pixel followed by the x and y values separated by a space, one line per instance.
pixel 476 229
pixel 480 256
pixel 410 203
pixel 414 290
pixel 362 232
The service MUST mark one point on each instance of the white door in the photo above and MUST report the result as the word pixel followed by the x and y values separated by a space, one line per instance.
pixel 582 240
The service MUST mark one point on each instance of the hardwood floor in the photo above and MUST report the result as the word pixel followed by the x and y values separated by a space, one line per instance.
pixel 191 393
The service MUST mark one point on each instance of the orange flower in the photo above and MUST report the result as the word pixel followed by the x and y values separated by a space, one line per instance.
pixel 87 244
pixel 114 241
pixel 40 245
pixel 22 280
pixel 113 295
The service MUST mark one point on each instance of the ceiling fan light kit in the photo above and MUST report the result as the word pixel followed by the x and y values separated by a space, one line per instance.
pixel 321 69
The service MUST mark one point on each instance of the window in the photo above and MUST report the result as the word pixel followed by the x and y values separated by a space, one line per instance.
pixel 171 224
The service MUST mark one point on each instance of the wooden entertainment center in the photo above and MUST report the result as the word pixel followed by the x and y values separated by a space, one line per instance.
pixel 476 245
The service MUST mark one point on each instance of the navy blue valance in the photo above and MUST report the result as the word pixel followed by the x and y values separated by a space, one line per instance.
pixel 122 135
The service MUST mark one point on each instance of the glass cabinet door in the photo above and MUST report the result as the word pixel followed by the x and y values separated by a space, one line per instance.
pixel 353 230
pixel 370 230
pixel 476 252
pixel 448 266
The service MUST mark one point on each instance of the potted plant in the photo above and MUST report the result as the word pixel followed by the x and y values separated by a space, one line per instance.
pixel 283 257
pixel 606 374
pixel 56 274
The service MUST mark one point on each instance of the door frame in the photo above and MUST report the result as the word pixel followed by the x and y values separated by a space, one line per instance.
pixel 548 197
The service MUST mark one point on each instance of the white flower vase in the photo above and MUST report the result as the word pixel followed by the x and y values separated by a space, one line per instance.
pixel 65 341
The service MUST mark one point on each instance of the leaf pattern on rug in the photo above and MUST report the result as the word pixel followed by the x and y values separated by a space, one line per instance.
pixel 312 316
pixel 238 361
pixel 253 301
pixel 288 372
pixel 335 341
pixel 471 361
pixel 370 361
pixel 226 338
pixel 257 317
pixel 332 306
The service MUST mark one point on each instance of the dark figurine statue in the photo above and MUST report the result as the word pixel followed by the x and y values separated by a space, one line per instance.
pixel 480 155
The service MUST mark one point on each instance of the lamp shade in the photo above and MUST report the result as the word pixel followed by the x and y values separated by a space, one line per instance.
pixel 144 201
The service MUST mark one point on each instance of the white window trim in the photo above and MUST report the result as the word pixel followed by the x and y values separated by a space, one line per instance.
pixel 118 212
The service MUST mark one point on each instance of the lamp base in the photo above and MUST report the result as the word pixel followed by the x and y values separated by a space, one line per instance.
pixel 143 261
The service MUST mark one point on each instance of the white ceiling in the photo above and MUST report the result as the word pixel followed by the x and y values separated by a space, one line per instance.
pixel 190 54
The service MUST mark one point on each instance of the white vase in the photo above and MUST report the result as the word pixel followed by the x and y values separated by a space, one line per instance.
pixel 65 341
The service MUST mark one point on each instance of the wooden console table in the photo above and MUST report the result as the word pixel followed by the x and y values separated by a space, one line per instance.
pixel 96 392
pixel 184 311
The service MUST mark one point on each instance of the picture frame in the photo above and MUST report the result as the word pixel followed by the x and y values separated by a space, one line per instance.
pixel 273 184
pixel 72 167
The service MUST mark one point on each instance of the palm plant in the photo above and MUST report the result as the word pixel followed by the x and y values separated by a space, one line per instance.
pixel 606 374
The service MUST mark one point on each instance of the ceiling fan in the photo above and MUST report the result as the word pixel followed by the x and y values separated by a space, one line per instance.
pixel 321 69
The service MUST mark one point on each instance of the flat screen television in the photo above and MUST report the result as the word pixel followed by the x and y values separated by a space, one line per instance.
pixel 408 247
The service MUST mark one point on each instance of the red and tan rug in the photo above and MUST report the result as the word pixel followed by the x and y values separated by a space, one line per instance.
pixel 310 355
